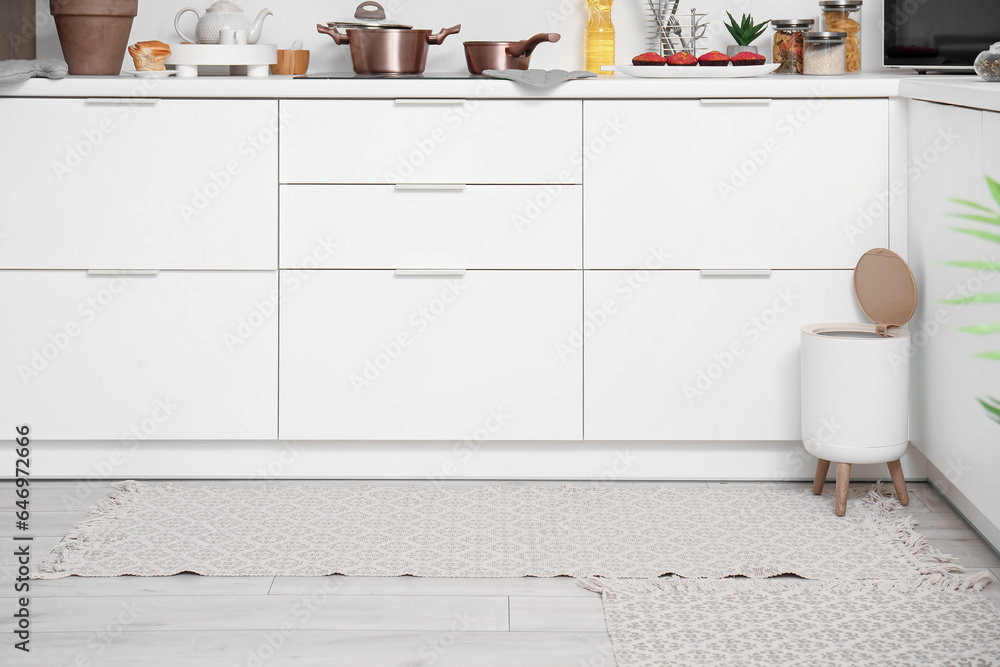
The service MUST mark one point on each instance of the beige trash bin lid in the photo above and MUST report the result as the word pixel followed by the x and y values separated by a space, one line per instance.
pixel 885 288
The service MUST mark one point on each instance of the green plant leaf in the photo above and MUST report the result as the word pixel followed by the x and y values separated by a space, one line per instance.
pixel 744 31
pixel 994 189
pixel 992 356
pixel 993 297
pixel 972 204
pixel 986 236
pixel 993 267
pixel 982 329
pixel 992 406
pixel 977 218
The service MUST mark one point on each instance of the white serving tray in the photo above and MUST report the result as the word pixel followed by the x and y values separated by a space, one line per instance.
pixel 691 72
pixel 255 57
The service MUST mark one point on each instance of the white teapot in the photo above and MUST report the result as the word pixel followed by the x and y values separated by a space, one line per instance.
pixel 222 15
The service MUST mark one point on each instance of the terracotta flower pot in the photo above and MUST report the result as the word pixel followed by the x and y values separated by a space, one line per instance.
pixel 94 33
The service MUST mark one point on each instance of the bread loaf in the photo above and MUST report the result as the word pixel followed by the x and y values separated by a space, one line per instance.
pixel 149 56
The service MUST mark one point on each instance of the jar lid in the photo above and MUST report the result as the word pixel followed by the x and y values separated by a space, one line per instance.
pixel 825 36
pixel 787 24
pixel 847 5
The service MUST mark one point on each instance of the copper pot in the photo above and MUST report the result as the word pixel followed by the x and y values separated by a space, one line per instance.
pixel 388 50
pixel 482 56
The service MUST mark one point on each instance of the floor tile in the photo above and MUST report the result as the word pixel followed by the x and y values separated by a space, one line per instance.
pixel 538 614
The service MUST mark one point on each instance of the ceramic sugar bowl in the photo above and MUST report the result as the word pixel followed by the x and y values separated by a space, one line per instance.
pixel 988 63
pixel 222 15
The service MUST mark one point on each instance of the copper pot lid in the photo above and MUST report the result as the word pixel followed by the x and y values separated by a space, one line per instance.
pixel 369 16
pixel 885 288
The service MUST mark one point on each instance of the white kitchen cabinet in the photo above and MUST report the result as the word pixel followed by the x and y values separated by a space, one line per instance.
pixel 178 355
pixel 139 184
pixel 765 184
pixel 389 227
pixel 677 355
pixel 951 149
pixel 372 355
pixel 431 141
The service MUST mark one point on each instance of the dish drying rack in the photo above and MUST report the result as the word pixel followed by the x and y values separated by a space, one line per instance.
pixel 670 32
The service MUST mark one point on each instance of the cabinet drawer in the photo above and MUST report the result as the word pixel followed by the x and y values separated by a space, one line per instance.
pixel 168 184
pixel 369 355
pixel 473 227
pixel 679 356
pixel 431 141
pixel 156 357
pixel 792 184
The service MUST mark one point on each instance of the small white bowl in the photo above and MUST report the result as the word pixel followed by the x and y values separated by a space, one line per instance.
pixel 152 74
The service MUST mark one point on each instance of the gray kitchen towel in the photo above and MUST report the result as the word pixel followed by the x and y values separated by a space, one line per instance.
pixel 538 78
pixel 16 71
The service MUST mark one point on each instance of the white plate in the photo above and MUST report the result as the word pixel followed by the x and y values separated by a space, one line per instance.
pixel 153 75
pixel 692 71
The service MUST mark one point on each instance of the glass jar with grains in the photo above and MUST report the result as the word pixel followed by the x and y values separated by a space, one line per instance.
pixel 988 63
pixel 788 44
pixel 824 53
pixel 845 16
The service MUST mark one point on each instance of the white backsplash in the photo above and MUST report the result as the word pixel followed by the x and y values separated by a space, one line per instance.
pixel 510 20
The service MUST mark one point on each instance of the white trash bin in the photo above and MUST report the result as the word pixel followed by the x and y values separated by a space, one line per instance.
pixel 855 377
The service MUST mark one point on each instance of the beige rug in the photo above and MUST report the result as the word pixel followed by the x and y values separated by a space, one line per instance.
pixel 937 620
pixel 491 531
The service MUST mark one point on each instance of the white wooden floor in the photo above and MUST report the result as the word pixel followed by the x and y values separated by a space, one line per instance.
pixel 330 621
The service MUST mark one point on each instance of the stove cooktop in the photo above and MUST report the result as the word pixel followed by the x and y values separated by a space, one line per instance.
pixel 352 75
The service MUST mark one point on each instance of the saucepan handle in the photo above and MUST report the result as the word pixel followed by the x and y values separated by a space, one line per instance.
pixel 438 37
pixel 338 37
pixel 525 47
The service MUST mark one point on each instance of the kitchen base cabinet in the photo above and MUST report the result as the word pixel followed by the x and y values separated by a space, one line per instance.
pixel 178 355
pixel 952 149
pixel 747 184
pixel 675 355
pixel 431 141
pixel 385 355
pixel 139 184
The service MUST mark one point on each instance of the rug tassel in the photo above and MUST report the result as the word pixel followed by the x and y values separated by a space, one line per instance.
pixel 73 548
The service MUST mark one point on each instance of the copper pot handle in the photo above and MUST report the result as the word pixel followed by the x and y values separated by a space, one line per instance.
pixel 525 47
pixel 438 37
pixel 338 37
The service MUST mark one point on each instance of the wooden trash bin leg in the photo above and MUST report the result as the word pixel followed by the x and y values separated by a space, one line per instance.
pixel 822 468
pixel 843 484
pixel 896 471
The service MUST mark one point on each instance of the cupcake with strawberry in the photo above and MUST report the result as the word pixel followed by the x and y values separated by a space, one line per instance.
pixel 714 59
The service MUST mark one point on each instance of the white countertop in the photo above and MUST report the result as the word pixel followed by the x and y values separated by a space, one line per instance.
pixel 616 87
pixel 962 90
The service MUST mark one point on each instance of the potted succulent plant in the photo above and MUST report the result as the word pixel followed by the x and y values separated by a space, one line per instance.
pixel 744 32
pixel 94 33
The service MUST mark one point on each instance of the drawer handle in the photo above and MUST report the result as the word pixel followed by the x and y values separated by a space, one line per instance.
pixel 705 273
pixel 761 101
pixel 123 272
pixel 431 101
pixel 149 101
pixel 456 187
pixel 430 272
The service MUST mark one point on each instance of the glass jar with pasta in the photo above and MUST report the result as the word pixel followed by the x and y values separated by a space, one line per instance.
pixel 845 16
pixel 788 44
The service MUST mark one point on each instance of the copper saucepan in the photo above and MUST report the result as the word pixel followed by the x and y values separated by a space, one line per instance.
pixel 504 55
pixel 378 47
